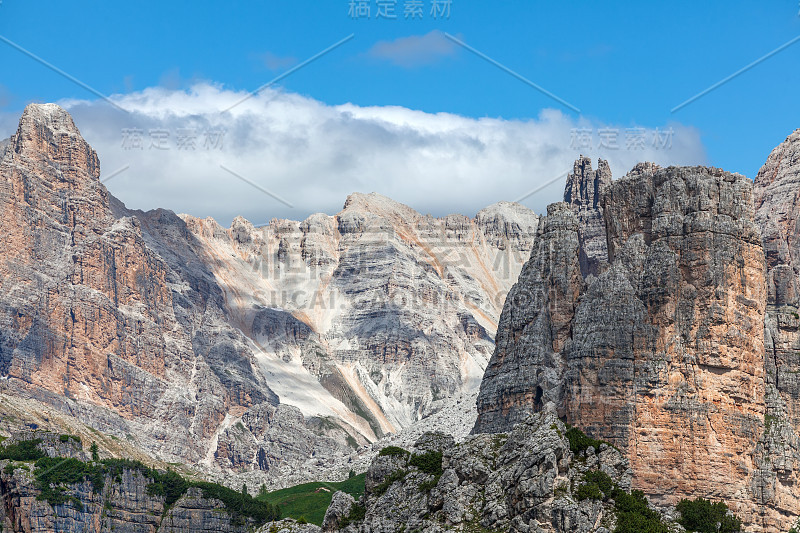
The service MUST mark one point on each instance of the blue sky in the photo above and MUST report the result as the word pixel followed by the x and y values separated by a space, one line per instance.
pixel 621 63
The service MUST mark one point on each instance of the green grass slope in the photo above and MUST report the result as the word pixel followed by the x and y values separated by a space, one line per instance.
pixel 310 500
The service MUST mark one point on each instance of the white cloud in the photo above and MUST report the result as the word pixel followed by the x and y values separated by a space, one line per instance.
pixel 415 50
pixel 314 155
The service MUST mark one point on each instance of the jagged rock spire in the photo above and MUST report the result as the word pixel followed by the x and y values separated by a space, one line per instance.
pixel 584 185
pixel 583 193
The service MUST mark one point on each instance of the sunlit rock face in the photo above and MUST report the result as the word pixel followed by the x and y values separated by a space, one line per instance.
pixel 381 312
pixel 659 346
pixel 94 320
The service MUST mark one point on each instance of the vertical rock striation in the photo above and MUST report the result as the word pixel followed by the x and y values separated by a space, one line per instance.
pixel 91 311
pixel 525 372
pixel 662 350
pixel 176 334
pixel 382 313
pixel 583 193
pixel 777 192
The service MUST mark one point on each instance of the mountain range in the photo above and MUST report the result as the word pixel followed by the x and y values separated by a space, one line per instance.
pixel 239 349
pixel 657 312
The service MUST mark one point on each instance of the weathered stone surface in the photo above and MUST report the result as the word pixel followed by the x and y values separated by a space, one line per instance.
pixel 287 525
pixel 776 194
pixel 122 506
pixel 340 507
pixel 583 193
pixel 662 353
pixel 109 314
pixel 519 482
pixel 381 313
pixel 527 366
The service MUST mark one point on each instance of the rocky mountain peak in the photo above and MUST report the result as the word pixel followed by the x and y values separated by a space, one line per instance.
pixel 584 185
pixel 508 211
pixel 378 204
pixel 783 162
pixel 675 254
pixel 47 131
pixel 583 194
pixel 47 137
pixel 51 116
pixel 643 168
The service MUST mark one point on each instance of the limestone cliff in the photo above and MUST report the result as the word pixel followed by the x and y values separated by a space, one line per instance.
pixel 94 497
pixel 661 352
pixel 101 314
pixel 777 192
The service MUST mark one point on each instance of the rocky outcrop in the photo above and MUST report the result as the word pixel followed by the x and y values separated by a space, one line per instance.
pixel 527 480
pixel 50 484
pixel 584 193
pixel 526 371
pixel 124 505
pixel 287 525
pixel 662 352
pixel 338 510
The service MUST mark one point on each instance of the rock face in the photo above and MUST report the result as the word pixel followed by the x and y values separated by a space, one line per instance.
pixel 339 508
pixel 661 351
pixel 380 313
pixel 91 312
pixel 100 497
pixel 584 193
pixel 776 193
pixel 123 506
pixel 523 481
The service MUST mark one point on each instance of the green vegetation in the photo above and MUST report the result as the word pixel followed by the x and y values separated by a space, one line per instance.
pixel 597 486
pixel 25 450
pixel 239 505
pixel 392 451
pixel 311 500
pixel 769 421
pixel 357 513
pixel 169 485
pixel 429 462
pixel 94 450
pixel 397 475
pixel 634 515
pixel 54 474
pixel 588 491
pixel 579 441
pixel 704 516
pixel 66 438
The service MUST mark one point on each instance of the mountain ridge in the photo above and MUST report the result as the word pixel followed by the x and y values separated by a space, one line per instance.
pixel 145 337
